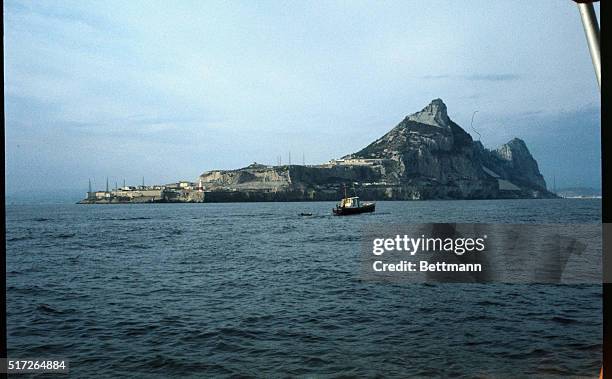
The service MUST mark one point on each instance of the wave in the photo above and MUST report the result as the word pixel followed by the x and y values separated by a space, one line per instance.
pixel 46 308
pixel 19 238
pixel 563 320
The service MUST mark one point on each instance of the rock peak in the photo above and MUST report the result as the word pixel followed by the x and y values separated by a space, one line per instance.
pixel 517 142
pixel 433 114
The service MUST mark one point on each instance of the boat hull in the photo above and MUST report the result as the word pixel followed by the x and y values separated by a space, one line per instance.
pixel 346 211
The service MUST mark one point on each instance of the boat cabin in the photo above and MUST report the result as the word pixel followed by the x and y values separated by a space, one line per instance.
pixel 352 206
pixel 349 202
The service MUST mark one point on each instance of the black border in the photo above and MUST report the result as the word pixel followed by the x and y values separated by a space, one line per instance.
pixel 3 330
pixel 606 212
pixel 606 153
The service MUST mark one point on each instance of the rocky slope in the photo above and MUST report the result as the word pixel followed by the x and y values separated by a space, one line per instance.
pixel 426 156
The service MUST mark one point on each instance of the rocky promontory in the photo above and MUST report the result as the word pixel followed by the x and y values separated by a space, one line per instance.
pixel 425 156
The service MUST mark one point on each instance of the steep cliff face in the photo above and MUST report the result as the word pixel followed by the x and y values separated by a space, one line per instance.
pixel 516 162
pixel 425 156
pixel 253 177
pixel 427 144
pixel 430 149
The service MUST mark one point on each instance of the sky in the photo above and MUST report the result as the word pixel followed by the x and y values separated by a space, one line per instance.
pixel 168 90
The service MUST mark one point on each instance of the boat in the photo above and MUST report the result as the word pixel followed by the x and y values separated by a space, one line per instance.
pixel 352 205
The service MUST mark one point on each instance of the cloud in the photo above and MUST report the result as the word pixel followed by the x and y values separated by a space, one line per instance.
pixel 476 77
pixel 493 77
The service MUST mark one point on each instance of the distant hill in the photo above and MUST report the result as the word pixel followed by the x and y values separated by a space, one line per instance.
pixel 425 156
pixel 584 192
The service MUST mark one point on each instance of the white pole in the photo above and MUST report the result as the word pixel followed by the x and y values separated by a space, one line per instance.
pixel 591 30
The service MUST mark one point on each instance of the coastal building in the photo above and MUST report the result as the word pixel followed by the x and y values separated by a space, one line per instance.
pixel 133 193
pixel 101 195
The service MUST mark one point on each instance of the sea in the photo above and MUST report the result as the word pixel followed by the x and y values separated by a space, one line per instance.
pixel 256 290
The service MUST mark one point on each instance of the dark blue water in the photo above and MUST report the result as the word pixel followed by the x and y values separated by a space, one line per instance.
pixel 207 290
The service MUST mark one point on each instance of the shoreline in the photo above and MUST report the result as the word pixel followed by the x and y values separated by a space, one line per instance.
pixel 84 202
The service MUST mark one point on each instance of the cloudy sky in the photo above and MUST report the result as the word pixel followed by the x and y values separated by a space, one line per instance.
pixel 167 90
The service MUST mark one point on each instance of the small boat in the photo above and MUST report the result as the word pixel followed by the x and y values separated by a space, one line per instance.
pixel 352 206
pixel 305 214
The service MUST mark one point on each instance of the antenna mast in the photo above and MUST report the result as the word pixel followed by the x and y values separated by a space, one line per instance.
pixel 472 126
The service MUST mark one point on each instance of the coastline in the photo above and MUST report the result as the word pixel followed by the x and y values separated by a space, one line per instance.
pixel 379 194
